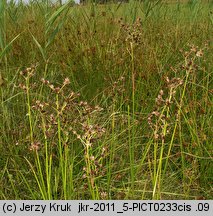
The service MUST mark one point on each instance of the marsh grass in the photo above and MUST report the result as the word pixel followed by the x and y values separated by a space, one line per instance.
pixel 106 101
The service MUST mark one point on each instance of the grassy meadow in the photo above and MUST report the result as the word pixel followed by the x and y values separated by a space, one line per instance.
pixel 106 101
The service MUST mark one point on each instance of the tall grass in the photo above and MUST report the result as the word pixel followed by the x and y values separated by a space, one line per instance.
pixel 106 101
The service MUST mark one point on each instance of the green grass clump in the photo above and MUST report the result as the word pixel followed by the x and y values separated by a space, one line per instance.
pixel 106 101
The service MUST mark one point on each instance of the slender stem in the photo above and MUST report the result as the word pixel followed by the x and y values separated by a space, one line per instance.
pixel 29 108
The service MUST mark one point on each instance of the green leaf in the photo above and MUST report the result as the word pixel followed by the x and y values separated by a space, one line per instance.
pixel 54 16
pixel 42 51
pixel 53 34
pixel 8 46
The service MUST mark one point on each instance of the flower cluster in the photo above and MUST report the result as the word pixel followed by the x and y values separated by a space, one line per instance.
pixel 133 32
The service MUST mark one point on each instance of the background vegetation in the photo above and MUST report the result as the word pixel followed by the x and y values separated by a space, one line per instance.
pixel 106 101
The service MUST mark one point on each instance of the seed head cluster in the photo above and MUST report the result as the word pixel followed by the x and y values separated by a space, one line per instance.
pixel 132 32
